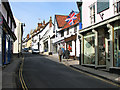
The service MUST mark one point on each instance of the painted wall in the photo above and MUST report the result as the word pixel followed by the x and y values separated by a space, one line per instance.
pixel 86 12
pixel 17 44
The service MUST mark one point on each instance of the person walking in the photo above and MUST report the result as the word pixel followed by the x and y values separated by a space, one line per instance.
pixel 60 52
pixel 63 49
pixel 67 53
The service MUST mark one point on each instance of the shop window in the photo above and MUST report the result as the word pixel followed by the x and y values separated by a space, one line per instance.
pixel 89 49
pixel 117 48
pixel 69 46
pixel 101 47
pixel 92 13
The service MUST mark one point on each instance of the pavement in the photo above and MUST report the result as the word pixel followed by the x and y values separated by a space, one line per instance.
pixel 9 74
pixel 97 72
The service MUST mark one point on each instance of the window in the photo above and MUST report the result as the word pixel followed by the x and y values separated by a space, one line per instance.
pixel 102 5
pixel 92 13
pixel 75 29
pixel 69 46
pixel 62 33
pixel 117 7
pixel 68 31
pixel 56 33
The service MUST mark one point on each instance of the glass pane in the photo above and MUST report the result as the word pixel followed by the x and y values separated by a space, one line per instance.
pixel 101 45
pixel 117 48
pixel 89 50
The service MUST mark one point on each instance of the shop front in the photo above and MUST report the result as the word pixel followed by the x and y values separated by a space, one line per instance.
pixel 94 47
pixel 70 44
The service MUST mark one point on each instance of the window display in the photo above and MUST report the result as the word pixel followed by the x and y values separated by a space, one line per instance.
pixel 117 48
pixel 69 46
pixel 101 47
pixel 89 49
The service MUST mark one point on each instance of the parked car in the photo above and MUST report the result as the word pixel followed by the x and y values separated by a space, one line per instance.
pixel 36 51
pixel 26 49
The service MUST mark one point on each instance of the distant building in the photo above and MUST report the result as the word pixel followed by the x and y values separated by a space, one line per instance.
pixel 42 40
pixel 7 36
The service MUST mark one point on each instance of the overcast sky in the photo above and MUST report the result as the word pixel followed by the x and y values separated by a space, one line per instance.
pixel 31 13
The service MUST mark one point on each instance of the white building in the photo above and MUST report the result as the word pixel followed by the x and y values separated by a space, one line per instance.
pixel 17 46
pixel 100 34
pixel 66 36
pixel 7 36
pixel 42 40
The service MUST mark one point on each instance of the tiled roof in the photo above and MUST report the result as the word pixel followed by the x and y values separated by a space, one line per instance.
pixel 60 20
pixel 63 24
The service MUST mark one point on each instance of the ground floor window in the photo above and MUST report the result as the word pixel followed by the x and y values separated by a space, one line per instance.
pixel 89 48
pixel 117 48
pixel 46 46
pixel 101 47
pixel 69 46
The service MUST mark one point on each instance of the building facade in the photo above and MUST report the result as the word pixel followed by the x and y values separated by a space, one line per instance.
pixel 17 46
pixel 66 36
pixel 42 39
pixel 100 33
pixel 7 32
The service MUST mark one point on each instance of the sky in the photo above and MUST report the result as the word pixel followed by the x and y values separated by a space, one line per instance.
pixel 31 13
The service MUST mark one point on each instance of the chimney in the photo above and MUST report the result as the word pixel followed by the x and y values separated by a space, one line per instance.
pixel 44 22
pixel 27 36
pixel 39 24
pixel 50 21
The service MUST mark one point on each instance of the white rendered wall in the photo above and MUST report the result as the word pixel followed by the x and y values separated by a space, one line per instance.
pixel 86 12
pixel 17 44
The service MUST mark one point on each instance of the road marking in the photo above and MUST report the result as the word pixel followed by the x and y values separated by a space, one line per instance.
pixel 21 76
pixel 110 82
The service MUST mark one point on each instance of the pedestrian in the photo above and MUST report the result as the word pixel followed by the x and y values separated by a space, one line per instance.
pixel 63 49
pixel 60 52
pixel 67 54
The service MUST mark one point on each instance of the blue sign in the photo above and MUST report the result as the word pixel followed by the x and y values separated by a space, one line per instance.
pixel 80 25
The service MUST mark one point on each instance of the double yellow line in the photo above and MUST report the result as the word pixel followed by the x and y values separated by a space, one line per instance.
pixel 21 76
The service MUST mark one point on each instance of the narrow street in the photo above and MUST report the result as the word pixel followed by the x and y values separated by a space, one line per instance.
pixel 43 72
